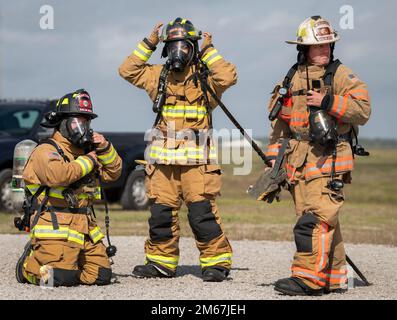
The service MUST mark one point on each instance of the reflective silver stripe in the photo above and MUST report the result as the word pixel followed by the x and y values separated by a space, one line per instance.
pixel 108 157
pixel 308 275
pixel 339 108
pixel 336 276
pixel 323 235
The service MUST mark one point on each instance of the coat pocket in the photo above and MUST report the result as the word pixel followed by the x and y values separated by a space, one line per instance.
pixel 149 184
pixel 212 179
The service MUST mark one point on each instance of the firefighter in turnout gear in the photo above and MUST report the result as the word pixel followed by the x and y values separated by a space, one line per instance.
pixel 62 181
pixel 322 104
pixel 181 155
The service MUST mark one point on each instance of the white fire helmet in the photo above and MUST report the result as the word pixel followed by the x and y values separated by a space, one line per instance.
pixel 315 30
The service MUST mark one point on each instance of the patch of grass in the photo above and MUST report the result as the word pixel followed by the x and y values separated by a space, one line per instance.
pixel 368 216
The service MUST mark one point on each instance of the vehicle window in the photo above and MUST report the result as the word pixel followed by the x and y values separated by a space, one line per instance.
pixel 17 122
pixel 26 119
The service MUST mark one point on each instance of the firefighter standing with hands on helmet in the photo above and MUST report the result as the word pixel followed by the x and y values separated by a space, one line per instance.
pixel 181 155
pixel 62 175
pixel 321 104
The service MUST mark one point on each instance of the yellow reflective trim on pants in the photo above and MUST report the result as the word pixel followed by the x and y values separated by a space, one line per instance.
pixel 212 261
pixel 108 157
pixel 169 262
pixel 31 278
pixel 64 233
pixel 96 235
pixel 85 164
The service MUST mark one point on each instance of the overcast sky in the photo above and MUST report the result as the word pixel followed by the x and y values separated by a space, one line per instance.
pixel 92 38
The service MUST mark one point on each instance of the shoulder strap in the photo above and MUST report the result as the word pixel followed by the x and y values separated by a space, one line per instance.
pixel 202 74
pixel 329 74
pixel 161 94
pixel 290 74
pixel 56 146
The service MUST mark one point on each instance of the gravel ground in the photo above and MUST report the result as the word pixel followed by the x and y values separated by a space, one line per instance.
pixel 257 264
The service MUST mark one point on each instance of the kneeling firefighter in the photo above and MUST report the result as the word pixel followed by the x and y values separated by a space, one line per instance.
pixel 181 155
pixel 62 179
pixel 315 115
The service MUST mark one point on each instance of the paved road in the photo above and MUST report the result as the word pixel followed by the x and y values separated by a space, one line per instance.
pixel 257 264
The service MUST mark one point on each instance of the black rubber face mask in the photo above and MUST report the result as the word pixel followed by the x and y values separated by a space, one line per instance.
pixel 77 131
pixel 180 54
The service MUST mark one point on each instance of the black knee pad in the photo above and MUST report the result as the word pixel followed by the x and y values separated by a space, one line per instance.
pixel 104 276
pixel 303 232
pixel 203 221
pixel 160 222
pixel 66 278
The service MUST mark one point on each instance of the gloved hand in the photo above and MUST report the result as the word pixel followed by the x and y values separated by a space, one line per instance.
pixel 266 188
pixel 314 99
pixel 207 40
pixel 154 37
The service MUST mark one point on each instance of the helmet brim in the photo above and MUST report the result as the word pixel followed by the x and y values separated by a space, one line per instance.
pixel 83 114
pixel 311 44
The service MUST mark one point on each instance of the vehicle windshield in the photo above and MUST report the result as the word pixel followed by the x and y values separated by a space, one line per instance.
pixel 16 121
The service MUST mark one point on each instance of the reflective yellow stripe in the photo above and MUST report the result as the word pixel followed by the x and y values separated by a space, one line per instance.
pixel 212 52
pixel 211 57
pixel 64 233
pixel 147 51
pixel 97 193
pixel 86 165
pixel 65 101
pixel 169 262
pixel 183 21
pixel 108 157
pixel 55 192
pixel 180 153
pixel 212 261
pixel 184 111
pixel 218 57
pixel 143 53
pixel 31 278
pixel 96 234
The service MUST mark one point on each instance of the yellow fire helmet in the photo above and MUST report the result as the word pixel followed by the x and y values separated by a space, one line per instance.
pixel 315 30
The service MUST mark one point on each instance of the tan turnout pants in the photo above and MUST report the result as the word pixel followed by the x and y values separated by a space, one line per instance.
pixel 197 186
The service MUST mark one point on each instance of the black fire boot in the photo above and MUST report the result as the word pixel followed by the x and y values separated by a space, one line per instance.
pixel 152 270
pixel 19 267
pixel 296 287
pixel 215 274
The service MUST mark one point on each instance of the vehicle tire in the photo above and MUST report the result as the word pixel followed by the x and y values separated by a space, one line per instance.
pixel 6 204
pixel 134 195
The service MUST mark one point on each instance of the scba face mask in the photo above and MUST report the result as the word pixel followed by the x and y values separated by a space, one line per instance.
pixel 180 54
pixel 77 130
